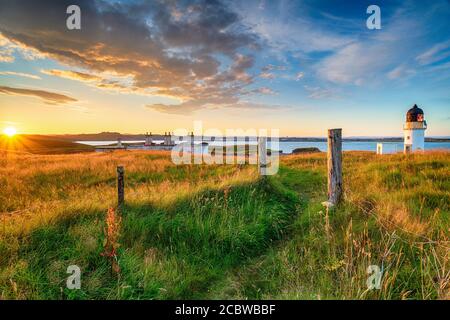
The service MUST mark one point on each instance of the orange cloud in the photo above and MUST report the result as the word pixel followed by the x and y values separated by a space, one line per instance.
pixel 20 74
pixel 47 96
pixel 177 53
pixel 73 75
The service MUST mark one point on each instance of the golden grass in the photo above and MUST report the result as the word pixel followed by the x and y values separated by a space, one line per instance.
pixel 384 185
pixel 39 189
pixel 406 197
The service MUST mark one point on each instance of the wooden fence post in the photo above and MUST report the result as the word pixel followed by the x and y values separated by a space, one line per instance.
pixel 192 144
pixel 120 187
pixel 262 155
pixel 334 159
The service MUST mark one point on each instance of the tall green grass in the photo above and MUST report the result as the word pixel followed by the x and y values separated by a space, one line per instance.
pixel 223 232
pixel 394 215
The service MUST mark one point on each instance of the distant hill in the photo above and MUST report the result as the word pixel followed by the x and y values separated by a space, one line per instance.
pixel 104 136
pixel 39 144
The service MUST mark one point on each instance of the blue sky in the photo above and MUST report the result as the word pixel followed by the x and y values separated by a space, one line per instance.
pixel 298 66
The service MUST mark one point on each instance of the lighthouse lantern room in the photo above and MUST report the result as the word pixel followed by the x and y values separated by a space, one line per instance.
pixel 414 130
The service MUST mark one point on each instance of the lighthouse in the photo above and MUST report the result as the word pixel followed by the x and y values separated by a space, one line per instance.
pixel 414 130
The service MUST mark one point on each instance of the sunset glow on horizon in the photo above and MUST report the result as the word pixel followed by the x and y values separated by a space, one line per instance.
pixel 10 131
pixel 298 66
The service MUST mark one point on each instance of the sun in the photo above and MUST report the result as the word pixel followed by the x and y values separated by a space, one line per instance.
pixel 10 131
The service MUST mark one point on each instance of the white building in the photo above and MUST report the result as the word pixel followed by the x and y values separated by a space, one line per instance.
pixel 148 139
pixel 379 148
pixel 414 130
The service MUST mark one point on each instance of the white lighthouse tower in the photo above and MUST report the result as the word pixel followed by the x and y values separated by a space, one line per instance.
pixel 414 130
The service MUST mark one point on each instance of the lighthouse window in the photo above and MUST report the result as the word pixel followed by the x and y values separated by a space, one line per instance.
pixel 407 138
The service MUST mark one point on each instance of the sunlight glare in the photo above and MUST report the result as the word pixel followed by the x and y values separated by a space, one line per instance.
pixel 10 131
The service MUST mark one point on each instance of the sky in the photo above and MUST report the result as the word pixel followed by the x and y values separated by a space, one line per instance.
pixel 301 67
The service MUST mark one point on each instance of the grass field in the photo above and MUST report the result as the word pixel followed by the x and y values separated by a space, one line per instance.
pixel 39 144
pixel 222 231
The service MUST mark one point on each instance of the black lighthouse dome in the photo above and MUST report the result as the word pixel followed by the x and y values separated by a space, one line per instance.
pixel 415 114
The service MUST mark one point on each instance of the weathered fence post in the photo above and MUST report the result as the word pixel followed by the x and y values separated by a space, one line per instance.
pixel 120 187
pixel 192 144
pixel 334 158
pixel 262 155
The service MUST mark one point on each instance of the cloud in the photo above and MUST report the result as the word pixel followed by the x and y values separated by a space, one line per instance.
pixel 287 32
pixel 271 71
pixel 8 48
pixel 271 67
pixel 213 101
pixel 190 107
pixel 107 82
pixel 6 56
pixel 20 74
pixel 440 67
pixel 47 96
pixel 387 51
pixel 116 85
pixel 319 93
pixel 265 90
pixel 267 75
pixel 299 76
pixel 401 72
pixel 355 63
pixel 170 48
pixel 181 109
pixel 73 75
pixel 436 53
pixel 248 105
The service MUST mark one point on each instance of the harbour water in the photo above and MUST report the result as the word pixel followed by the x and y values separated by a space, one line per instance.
pixel 288 146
